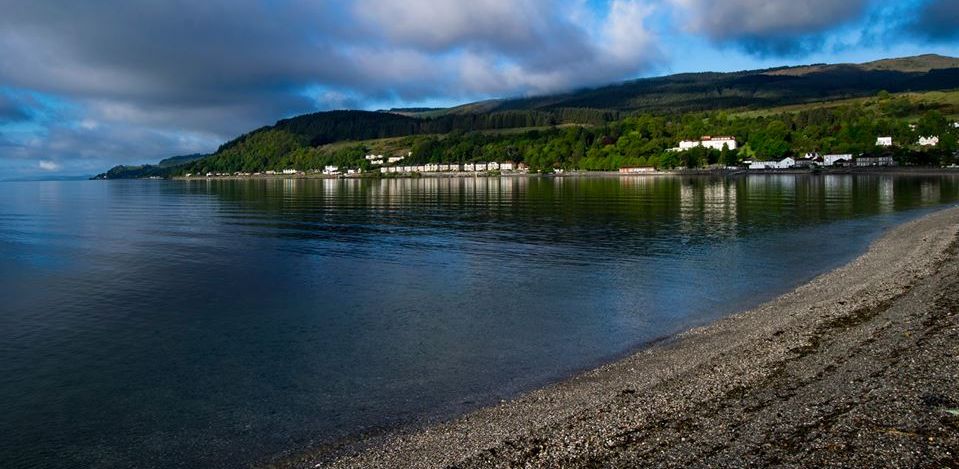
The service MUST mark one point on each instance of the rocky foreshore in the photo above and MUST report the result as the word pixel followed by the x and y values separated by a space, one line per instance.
pixel 858 368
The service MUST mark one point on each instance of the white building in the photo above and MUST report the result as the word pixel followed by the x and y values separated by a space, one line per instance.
pixel 637 170
pixel 717 143
pixel 374 157
pixel 468 167
pixel 394 159
pixel 493 166
pixel 929 141
pixel 331 170
pixel 831 160
pixel 481 167
pixel 289 171
pixel 884 142
pixel 714 143
pixel 508 166
pixel 785 163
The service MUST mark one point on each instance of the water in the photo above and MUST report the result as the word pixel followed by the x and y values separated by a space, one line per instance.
pixel 226 323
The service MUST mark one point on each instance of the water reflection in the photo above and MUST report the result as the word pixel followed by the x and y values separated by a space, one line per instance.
pixel 218 323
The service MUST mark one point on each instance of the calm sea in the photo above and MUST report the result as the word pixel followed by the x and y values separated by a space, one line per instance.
pixel 226 323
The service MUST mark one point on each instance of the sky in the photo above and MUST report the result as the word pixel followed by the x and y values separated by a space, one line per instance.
pixel 87 85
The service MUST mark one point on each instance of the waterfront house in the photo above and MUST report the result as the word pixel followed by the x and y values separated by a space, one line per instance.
pixel 833 160
pixel 785 163
pixel 394 159
pixel 929 141
pixel 884 142
pixel 469 167
pixel 289 171
pixel 481 167
pixel 492 166
pixel 330 170
pixel 523 167
pixel 507 166
pixel 631 170
pixel 875 160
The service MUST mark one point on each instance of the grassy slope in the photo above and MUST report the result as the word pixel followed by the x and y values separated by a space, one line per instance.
pixel 946 102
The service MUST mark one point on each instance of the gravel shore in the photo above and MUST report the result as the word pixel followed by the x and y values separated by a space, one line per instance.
pixel 859 367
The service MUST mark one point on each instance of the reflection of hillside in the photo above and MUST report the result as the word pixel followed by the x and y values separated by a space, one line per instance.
pixel 604 212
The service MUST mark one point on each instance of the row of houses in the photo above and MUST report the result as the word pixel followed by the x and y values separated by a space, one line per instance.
pixel 812 159
pixel 455 168
pixel 379 160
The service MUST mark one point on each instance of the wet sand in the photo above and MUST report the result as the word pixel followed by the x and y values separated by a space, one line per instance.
pixel 859 367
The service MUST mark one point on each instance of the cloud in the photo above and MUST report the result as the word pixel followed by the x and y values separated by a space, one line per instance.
pixel 11 110
pixel 938 20
pixel 48 165
pixel 768 27
pixel 139 71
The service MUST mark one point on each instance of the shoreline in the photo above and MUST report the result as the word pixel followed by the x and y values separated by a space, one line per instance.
pixel 859 364
pixel 893 171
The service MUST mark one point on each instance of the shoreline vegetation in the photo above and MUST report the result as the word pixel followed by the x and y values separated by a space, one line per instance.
pixel 858 366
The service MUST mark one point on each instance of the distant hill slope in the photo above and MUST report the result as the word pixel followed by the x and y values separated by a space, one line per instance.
pixel 161 169
pixel 749 89
pixel 689 92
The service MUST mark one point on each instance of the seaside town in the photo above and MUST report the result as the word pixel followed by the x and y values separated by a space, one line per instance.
pixel 393 165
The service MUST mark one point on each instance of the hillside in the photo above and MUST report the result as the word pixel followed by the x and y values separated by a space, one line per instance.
pixel 162 169
pixel 752 89
pixel 305 141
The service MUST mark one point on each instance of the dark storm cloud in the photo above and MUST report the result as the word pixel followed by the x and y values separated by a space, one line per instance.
pixel 938 20
pixel 187 74
pixel 12 111
pixel 248 59
pixel 768 27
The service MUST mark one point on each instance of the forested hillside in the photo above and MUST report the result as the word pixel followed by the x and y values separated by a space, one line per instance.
pixel 628 124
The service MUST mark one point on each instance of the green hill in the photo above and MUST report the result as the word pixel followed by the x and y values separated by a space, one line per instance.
pixel 162 169
pixel 315 139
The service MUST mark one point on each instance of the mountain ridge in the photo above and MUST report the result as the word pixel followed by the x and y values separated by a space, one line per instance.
pixel 664 95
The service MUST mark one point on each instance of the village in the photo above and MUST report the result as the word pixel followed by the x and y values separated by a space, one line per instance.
pixel 392 165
